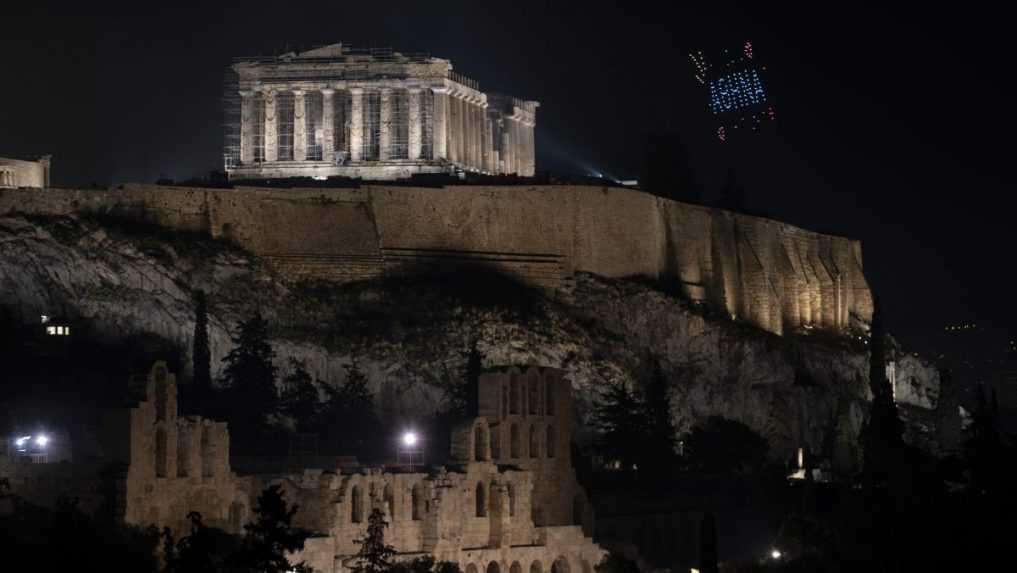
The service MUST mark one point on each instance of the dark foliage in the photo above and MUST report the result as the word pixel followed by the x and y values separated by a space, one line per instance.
pixel 300 399
pixel 724 446
pixel 348 420
pixel 374 555
pixel 249 378
pixel 614 563
pixel 708 544
pixel 620 417
pixel 201 356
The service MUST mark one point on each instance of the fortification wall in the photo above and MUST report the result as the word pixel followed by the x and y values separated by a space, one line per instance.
pixel 769 273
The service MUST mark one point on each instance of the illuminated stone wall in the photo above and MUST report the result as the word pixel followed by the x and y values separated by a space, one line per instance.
pixel 771 274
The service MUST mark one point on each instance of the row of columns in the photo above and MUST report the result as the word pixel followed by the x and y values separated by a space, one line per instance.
pixel 463 132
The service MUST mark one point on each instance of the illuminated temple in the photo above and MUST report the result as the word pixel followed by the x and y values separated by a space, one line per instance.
pixel 375 114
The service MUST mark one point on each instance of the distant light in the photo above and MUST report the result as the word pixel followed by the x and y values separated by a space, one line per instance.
pixel 41 441
pixel 44 318
pixel 320 178
pixel 409 439
pixel 775 554
pixel 21 441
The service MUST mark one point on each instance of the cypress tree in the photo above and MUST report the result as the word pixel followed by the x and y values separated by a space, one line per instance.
pixel 882 436
pixel 200 354
pixel 374 553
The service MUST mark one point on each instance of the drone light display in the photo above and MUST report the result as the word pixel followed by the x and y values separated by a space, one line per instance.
pixel 736 95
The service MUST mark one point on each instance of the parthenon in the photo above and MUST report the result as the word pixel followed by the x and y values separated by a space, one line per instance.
pixel 370 114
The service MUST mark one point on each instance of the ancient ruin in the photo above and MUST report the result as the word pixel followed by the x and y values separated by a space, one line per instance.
pixel 508 498
pixel 24 172
pixel 370 114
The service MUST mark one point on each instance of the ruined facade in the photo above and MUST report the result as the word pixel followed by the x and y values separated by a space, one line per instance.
pixel 370 114
pixel 770 274
pixel 492 509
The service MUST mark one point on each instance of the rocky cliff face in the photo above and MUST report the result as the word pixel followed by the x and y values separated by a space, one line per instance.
pixel 411 335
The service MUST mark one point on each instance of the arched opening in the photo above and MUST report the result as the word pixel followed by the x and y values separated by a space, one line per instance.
pixel 356 505
pixel 536 567
pixel 549 397
pixel 493 567
pixel 481 499
pixel 504 400
pixel 577 510
pixel 471 568
pixel 515 567
pixel 479 443
pixel 512 499
pixel 516 398
pixel 416 502
pixel 389 500
pixel 183 451
pixel 514 439
pixel 586 567
pixel 551 442
pixel 560 565
pixel 534 396
pixel 160 453
pixel 534 442
pixel 495 435
pixel 207 468
pixel 161 397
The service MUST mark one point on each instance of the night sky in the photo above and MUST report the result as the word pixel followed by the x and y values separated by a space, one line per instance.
pixel 894 127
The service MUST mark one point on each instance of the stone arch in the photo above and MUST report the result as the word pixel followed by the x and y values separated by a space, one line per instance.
pixel 356 504
pixel 516 567
pixel 417 502
pixel 493 567
pixel 389 501
pixel 560 565
pixel 495 436
pixel 534 442
pixel 160 453
pixel 514 439
pixel 479 443
pixel 534 396
pixel 480 496
pixel 549 397
pixel 578 510
pixel 516 393
pixel 536 567
pixel 471 568
pixel 504 400
pixel 161 394
pixel 586 566
pixel 551 442
pixel 183 451
pixel 207 468
pixel 511 499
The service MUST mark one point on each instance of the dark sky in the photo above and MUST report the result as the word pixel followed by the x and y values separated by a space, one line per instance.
pixel 894 125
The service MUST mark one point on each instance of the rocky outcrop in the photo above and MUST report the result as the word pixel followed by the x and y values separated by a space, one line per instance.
pixel 411 335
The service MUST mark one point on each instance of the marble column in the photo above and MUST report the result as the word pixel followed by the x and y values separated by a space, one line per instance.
pixel 461 141
pixel 299 126
pixel 506 142
pixel 453 127
pixel 356 124
pixel 271 128
pixel 413 129
pixel 474 134
pixel 386 127
pixel 246 127
pixel 327 125
pixel 439 124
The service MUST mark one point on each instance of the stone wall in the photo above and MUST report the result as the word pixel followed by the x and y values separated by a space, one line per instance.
pixel 774 275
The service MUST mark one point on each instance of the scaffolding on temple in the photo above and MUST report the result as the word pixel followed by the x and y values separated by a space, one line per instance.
pixel 230 119
pixel 284 114
pixel 313 127
pixel 371 139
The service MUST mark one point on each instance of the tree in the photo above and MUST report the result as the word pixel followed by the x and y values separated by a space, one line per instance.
pixel 204 550
pixel 250 375
pixel 374 555
pixel 882 438
pixel 614 563
pixel 708 544
pixel 723 445
pixel 659 446
pixel 300 399
pixel 201 356
pixel 348 413
pixel 619 415
pixel 272 535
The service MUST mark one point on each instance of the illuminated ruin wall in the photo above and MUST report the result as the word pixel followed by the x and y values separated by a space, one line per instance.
pixel 771 274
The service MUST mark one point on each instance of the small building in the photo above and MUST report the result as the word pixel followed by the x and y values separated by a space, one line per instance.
pixel 16 173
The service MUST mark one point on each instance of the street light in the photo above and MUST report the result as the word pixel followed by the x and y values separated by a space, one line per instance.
pixel 776 554
pixel 409 439
pixel 409 451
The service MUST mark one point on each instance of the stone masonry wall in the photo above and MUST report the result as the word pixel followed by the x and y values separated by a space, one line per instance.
pixel 769 273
